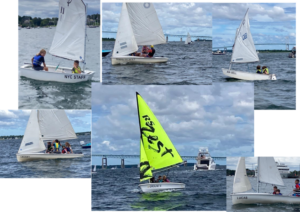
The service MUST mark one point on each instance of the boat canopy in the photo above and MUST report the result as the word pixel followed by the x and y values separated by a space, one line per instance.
pixel 188 39
pixel 268 171
pixel 241 182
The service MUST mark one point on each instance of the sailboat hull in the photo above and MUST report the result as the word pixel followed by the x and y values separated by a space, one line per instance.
pixel 137 60
pixel 62 74
pixel 45 156
pixel 248 76
pixel 263 198
pixel 155 187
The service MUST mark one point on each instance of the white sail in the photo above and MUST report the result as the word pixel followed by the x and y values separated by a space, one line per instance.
pixel 32 141
pixel 94 169
pixel 54 124
pixel 244 49
pixel 70 34
pixel 125 41
pixel 241 182
pixel 268 171
pixel 145 24
pixel 188 39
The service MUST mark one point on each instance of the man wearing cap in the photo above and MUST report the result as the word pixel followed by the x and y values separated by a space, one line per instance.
pixel 151 51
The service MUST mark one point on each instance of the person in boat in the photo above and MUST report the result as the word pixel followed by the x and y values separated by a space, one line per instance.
pixel 151 51
pixel 50 148
pixel 258 70
pixel 37 61
pixel 76 68
pixel 152 180
pixel 135 54
pixel 145 50
pixel 265 70
pixel 69 148
pixel 202 157
pixel 278 192
pixel 274 189
pixel 159 179
pixel 64 150
pixel 56 144
pixel 165 179
pixel 297 188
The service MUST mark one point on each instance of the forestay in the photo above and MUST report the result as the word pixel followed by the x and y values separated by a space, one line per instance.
pixel 31 141
pixel 244 50
pixel 145 24
pixel 188 39
pixel 268 171
pixel 125 41
pixel 70 34
pixel 241 182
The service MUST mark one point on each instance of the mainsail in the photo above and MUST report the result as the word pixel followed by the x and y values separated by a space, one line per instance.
pixel 241 182
pixel 244 50
pixel 157 150
pixel 188 39
pixel 268 171
pixel 70 34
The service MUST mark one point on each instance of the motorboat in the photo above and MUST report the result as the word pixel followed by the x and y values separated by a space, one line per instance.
pixel 204 160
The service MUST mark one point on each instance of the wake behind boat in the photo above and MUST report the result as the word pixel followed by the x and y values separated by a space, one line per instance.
pixel 69 43
pixel 138 25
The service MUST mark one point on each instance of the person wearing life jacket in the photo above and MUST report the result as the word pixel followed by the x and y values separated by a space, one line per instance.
pixel 151 51
pixel 165 179
pixel 258 70
pixel 64 150
pixel 265 70
pixel 297 187
pixel 49 148
pixel 68 147
pixel 274 189
pixel 37 61
pixel 278 192
pixel 76 68
pixel 56 145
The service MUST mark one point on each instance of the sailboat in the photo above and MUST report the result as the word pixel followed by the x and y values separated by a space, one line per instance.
pixel 138 25
pixel 69 43
pixel 188 39
pixel 94 170
pixel 157 153
pixel 45 125
pixel 267 173
pixel 244 52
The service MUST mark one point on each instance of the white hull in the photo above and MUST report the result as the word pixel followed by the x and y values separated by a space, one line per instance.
pixel 263 198
pixel 62 74
pixel 205 167
pixel 154 187
pixel 137 60
pixel 247 75
pixel 45 156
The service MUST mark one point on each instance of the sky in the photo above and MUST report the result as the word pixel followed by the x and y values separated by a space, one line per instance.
pixel 14 122
pixel 251 162
pixel 218 116
pixel 49 8
pixel 175 18
pixel 269 23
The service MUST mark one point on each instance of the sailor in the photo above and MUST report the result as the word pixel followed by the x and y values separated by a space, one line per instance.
pixel 56 145
pixel 278 192
pixel 297 188
pixel 37 61
pixel 49 148
pixel 69 148
pixel 258 70
pixel 274 189
pixel 145 50
pixel 151 51
pixel 265 70
pixel 64 151
pixel 165 179
pixel 159 179
pixel 152 180
pixel 76 68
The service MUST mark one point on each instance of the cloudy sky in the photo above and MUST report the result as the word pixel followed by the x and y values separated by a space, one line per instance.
pixel 218 116
pixel 251 162
pixel 175 18
pixel 14 122
pixel 269 23
pixel 49 8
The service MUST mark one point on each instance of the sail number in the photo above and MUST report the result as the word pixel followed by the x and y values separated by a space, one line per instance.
pixel 241 198
pixel 244 36
pixel 231 72
pixel 75 76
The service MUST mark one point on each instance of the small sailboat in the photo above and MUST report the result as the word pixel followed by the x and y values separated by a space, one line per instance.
pixel 204 160
pixel 105 52
pixel 138 25
pixel 188 39
pixel 84 145
pixel 157 153
pixel 45 125
pixel 94 170
pixel 244 52
pixel 267 173
pixel 218 52
pixel 69 43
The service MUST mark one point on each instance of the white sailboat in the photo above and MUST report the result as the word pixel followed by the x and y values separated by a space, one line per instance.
pixel 157 153
pixel 138 25
pixel 188 39
pixel 267 173
pixel 69 43
pixel 204 160
pixel 94 170
pixel 244 52
pixel 45 125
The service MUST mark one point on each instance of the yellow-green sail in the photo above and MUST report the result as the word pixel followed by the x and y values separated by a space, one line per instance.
pixel 157 146
pixel 145 169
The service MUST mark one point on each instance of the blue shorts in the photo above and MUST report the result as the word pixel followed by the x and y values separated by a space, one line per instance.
pixel 38 68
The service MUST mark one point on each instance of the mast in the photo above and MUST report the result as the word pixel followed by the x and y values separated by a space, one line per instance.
pixel 257 180
pixel 137 105
pixel 85 36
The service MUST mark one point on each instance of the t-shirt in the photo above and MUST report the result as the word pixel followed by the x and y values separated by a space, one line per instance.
pixel 38 60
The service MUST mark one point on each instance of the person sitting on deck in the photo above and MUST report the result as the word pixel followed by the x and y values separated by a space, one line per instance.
pixel 274 189
pixel 56 144
pixel 145 50
pixel 37 61
pixel 76 68
pixel 159 179
pixel 69 148
pixel 278 192
pixel 165 179
pixel 297 188
pixel 152 180
pixel 64 150
pixel 50 148
pixel 151 51
pixel 265 70
pixel 258 70
pixel 135 54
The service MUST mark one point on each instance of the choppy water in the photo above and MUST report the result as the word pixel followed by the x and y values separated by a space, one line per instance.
pixel 287 190
pixel 118 190
pixel 34 94
pixel 187 65
pixel 63 168
pixel 271 95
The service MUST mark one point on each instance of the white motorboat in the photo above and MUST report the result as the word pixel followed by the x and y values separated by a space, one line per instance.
pixel 267 173
pixel 244 52
pixel 188 39
pixel 218 52
pixel 69 42
pixel 204 160
pixel 45 125
pixel 157 153
pixel 138 26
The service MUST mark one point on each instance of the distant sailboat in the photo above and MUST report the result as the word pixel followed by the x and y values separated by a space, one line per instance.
pixel 94 170
pixel 244 52
pixel 138 25
pixel 188 39
pixel 157 153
